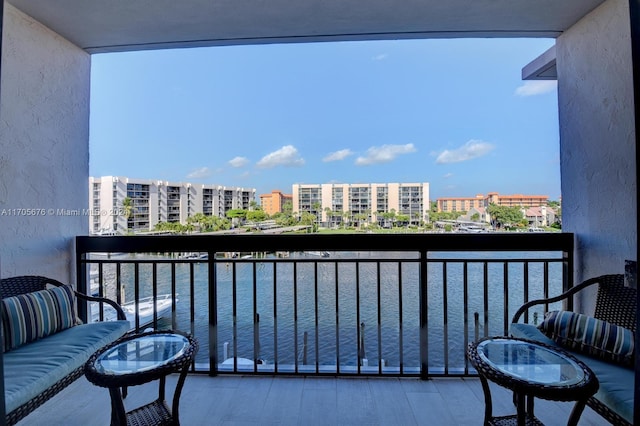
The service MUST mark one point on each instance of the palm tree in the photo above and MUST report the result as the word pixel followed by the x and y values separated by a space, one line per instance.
pixel 346 215
pixel 127 206
pixel 416 216
pixel 329 213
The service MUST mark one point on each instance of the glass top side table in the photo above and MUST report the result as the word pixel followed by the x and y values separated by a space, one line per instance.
pixel 531 370
pixel 137 359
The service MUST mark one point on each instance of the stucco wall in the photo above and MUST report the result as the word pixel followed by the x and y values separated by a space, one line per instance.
pixel 44 148
pixel 597 139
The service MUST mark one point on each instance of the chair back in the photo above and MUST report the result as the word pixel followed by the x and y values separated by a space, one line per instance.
pixel 616 303
pixel 14 286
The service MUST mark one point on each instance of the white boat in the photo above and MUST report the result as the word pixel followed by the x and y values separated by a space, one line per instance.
pixel 196 256
pixel 319 253
pixel 145 310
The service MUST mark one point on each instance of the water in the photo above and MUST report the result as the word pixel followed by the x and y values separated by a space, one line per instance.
pixel 294 305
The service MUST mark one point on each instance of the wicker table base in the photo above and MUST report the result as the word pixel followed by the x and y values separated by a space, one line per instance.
pixel 137 359
pixel 155 413
pixel 513 421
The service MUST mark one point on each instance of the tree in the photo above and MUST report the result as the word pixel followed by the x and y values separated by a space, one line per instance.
pixel 257 215
pixel 329 213
pixel 337 214
pixel 416 216
pixel 285 217
pixel 504 216
pixel 317 211
pixel 237 213
pixel 287 208
pixel 403 218
pixel 360 218
pixel 346 215
pixel 127 206
pixel 309 219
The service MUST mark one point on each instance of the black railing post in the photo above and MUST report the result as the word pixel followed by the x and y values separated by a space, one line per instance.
pixel 424 317
pixel 81 284
pixel 213 315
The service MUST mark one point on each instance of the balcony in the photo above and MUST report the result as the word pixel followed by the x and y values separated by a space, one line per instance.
pixel 244 400
pixel 592 36
pixel 336 305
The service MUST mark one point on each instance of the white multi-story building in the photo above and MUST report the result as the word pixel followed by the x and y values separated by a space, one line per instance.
pixel 333 203
pixel 154 201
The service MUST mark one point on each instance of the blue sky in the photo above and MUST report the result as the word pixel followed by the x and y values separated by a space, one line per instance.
pixel 454 113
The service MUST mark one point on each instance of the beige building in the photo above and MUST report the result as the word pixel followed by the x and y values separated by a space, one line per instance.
pixel 464 204
pixel 154 201
pixel 334 203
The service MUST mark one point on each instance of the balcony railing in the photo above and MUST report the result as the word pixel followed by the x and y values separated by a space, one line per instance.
pixel 364 304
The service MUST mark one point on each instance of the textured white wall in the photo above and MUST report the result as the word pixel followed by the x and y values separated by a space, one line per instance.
pixel 44 148
pixel 597 139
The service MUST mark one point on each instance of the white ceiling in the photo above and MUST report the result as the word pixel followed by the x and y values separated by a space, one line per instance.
pixel 123 25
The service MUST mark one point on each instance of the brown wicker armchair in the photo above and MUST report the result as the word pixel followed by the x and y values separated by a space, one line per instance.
pixel 19 285
pixel 615 304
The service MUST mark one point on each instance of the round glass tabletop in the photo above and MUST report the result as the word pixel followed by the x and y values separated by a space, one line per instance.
pixel 530 362
pixel 141 354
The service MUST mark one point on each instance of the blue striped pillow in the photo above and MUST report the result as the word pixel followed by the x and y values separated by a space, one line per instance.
pixel 31 316
pixel 590 336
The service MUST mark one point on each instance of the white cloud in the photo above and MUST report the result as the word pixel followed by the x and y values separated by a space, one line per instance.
pixel 338 155
pixel 200 173
pixel 448 175
pixel 536 87
pixel 472 149
pixel 384 154
pixel 239 162
pixel 380 57
pixel 286 156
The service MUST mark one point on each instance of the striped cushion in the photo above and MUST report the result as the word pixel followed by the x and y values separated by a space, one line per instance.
pixel 31 316
pixel 590 336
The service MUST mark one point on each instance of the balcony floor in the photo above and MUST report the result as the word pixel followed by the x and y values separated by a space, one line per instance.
pixel 264 400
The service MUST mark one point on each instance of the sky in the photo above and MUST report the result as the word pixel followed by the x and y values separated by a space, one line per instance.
pixel 453 113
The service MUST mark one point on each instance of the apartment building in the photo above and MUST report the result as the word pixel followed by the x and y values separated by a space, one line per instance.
pixel 152 201
pixel 334 203
pixel 464 204
pixel 273 203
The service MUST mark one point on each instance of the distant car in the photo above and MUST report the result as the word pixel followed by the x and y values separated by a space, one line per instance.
pixel 536 229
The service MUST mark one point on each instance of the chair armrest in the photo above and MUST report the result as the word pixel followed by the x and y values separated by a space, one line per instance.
pixel 118 308
pixel 120 313
pixel 567 294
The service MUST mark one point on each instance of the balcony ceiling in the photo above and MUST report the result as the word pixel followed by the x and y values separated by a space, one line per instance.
pixel 125 25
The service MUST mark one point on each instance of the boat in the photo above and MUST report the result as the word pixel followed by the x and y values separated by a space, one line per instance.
pixel 536 229
pixel 242 363
pixel 318 253
pixel 145 310
pixel 196 256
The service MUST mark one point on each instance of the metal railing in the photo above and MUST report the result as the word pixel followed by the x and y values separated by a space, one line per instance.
pixel 364 304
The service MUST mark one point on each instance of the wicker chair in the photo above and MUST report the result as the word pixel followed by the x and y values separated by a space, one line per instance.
pixel 26 284
pixel 615 303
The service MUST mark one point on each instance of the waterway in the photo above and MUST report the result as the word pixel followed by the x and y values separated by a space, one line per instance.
pixel 330 300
